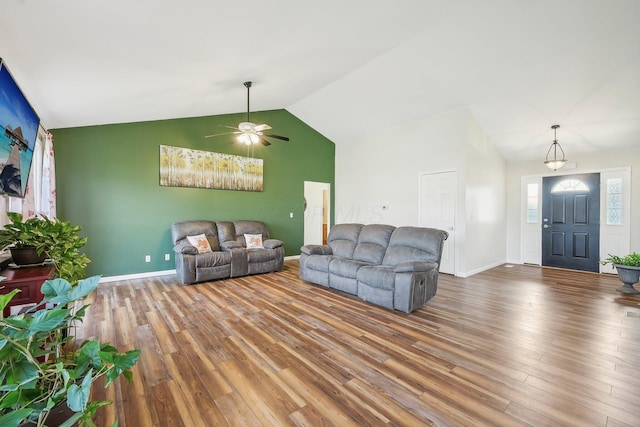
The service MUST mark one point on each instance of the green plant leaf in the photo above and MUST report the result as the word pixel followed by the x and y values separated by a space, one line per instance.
pixel 6 298
pixel 108 348
pixel 21 373
pixel 126 360
pixel 15 418
pixel 85 287
pixel 89 355
pixel 46 320
pixel 56 291
pixel 78 396
pixel 630 260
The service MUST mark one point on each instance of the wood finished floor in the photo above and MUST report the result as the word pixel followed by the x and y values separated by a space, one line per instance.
pixel 507 347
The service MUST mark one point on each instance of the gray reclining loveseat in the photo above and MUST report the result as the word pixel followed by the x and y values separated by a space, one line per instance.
pixel 228 255
pixel 396 268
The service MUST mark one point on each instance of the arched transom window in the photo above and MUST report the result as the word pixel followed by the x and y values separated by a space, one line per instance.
pixel 569 185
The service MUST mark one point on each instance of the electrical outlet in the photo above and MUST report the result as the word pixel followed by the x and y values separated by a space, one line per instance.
pixel 167 257
pixel 147 258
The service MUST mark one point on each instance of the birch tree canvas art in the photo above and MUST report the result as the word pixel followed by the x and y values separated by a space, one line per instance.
pixel 184 167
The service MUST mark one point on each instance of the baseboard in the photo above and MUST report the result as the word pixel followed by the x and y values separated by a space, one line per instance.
pixel 159 273
pixel 480 270
pixel 137 276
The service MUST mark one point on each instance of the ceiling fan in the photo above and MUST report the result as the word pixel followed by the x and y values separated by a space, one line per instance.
pixel 248 132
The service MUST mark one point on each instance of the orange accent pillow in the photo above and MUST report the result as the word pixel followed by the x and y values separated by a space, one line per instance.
pixel 200 242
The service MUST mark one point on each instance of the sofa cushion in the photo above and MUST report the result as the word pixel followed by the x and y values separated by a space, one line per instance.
pixel 260 255
pixel 184 247
pixel 415 266
pixel 180 231
pixel 379 296
pixel 343 239
pixel 212 259
pixel 319 262
pixel 345 267
pixel 226 231
pixel 414 244
pixel 316 250
pixel 232 244
pixel 272 243
pixel 372 243
pixel 377 276
pixel 251 227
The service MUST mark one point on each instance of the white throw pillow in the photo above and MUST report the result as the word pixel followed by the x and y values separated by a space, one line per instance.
pixel 200 242
pixel 253 240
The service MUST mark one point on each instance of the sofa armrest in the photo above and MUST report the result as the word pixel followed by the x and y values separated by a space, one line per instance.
pixel 272 243
pixel 185 247
pixel 414 266
pixel 316 250
pixel 232 244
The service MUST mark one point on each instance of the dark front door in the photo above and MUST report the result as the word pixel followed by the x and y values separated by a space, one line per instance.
pixel 571 222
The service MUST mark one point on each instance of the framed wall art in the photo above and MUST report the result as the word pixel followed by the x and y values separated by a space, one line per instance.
pixel 185 167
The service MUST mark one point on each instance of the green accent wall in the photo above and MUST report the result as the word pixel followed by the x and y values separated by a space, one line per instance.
pixel 108 182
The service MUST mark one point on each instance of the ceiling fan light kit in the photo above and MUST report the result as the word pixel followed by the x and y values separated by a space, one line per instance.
pixel 248 132
pixel 248 138
pixel 555 163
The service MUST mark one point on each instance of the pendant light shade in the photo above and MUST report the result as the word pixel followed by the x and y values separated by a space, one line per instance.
pixel 555 162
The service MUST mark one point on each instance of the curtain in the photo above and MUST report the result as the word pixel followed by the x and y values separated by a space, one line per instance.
pixel 48 196
pixel 40 194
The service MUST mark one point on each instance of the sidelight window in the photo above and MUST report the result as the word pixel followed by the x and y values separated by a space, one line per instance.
pixel 532 203
pixel 614 201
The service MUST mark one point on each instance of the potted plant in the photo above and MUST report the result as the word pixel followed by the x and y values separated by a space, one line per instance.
pixel 43 372
pixel 628 268
pixel 54 239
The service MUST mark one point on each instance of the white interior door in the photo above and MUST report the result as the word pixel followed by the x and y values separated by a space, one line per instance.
pixel 438 194
pixel 316 214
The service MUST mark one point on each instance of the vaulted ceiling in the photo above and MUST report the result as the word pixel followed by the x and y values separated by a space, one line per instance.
pixel 347 68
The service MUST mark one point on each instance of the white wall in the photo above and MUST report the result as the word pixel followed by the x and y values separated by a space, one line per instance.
pixel 592 162
pixel 383 170
pixel 485 203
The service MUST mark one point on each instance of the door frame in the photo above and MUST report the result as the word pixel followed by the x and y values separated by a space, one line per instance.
pixel 613 238
pixel 323 191
pixel 571 223
pixel 451 242
pixel 530 233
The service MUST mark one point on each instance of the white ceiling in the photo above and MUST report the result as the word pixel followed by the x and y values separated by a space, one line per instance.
pixel 346 67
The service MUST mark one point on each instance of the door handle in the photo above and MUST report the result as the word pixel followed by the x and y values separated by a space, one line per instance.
pixel 545 226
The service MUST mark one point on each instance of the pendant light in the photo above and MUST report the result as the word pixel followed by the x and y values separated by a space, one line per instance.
pixel 555 163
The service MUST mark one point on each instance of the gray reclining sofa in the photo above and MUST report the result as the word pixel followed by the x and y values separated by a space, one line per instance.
pixel 229 256
pixel 396 268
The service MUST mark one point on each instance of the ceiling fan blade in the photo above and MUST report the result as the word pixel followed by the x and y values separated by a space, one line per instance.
pixel 220 134
pixel 260 128
pixel 282 138
pixel 230 127
pixel 264 142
